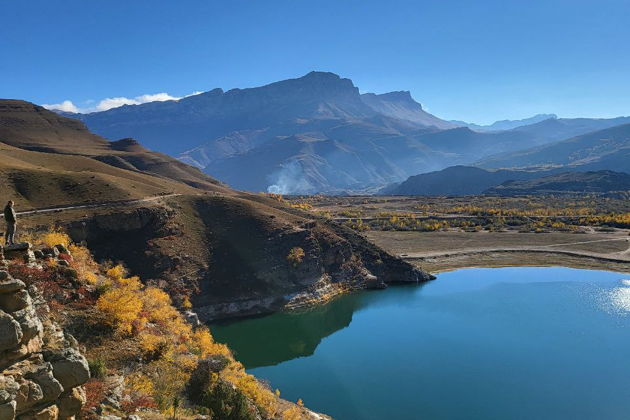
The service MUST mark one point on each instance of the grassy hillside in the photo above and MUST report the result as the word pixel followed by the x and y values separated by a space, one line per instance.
pixel 50 160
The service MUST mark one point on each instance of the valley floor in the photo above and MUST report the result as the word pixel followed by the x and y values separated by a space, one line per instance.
pixel 445 233
pixel 443 251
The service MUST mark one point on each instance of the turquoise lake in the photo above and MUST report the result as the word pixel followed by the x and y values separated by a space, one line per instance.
pixel 500 343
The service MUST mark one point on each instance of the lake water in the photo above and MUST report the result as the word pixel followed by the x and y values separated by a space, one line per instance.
pixel 501 343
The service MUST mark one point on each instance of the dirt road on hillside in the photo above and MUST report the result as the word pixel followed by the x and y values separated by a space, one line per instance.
pixel 95 205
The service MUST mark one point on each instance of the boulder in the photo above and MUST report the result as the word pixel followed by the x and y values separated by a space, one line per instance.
pixel 48 413
pixel 192 318
pixel 50 386
pixel 22 246
pixel 50 252
pixel 11 302
pixel 29 322
pixel 21 251
pixel 10 285
pixel 10 332
pixel 70 368
pixel 4 396
pixel 9 388
pixel 7 410
pixel 29 395
pixel 71 402
pixel 61 249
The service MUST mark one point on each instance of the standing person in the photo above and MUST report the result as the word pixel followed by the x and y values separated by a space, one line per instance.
pixel 11 219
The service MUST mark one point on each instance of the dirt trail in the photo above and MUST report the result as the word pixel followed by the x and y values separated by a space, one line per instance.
pixel 95 205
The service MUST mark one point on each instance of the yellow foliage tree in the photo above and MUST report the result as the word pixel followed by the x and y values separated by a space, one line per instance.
pixel 295 256
pixel 123 306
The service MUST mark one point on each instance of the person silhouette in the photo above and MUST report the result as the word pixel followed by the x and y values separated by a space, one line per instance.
pixel 11 220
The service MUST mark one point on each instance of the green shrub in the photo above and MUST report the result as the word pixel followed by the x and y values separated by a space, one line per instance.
pixel 227 402
pixel 98 368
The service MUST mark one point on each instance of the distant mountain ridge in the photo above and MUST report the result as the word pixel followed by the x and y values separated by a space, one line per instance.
pixel 507 124
pixel 566 182
pixel 603 149
pixel 457 180
pixel 315 133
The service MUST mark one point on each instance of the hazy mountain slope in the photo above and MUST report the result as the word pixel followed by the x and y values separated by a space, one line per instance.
pixel 456 180
pixel 312 134
pixel 402 106
pixel 604 149
pixel 552 130
pixel 316 132
pixel 506 124
pixel 567 182
pixel 177 126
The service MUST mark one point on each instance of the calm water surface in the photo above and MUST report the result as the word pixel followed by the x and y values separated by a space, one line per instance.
pixel 502 343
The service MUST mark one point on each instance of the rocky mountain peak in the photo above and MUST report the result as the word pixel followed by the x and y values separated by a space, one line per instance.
pixel 403 96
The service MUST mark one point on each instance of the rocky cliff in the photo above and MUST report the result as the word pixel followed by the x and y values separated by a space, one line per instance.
pixel 230 255
pixel 41 368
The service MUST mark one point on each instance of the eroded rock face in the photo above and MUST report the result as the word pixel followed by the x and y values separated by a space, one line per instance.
pixel 230 254
pixel 40 372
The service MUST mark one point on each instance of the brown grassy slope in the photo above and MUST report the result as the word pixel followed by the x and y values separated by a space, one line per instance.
pixel 36 179
pixel 30 127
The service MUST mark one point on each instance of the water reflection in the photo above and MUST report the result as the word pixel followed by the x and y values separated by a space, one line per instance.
pixel 522 343
pixel 285 336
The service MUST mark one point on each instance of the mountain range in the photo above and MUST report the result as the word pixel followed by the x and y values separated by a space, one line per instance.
pixel 318 133
pixel 507 124
pixel 470 180
pixel 457 180
pixel 566 182
pixel 603 149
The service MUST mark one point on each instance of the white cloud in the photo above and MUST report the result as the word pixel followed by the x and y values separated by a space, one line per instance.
pixel 109 103
pixel 66 106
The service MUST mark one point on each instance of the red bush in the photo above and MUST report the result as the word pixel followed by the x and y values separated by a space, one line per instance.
pixel 46 280
pixel 94 394
pixel 66 257
pixel 136 403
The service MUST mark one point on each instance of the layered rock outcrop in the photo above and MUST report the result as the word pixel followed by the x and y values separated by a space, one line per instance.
pixel 234 254
pixel 41 369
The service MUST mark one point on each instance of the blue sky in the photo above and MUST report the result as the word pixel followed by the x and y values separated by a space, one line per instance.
pixel 474 60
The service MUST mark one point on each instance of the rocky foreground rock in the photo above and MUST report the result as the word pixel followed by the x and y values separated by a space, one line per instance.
pixel 41 370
